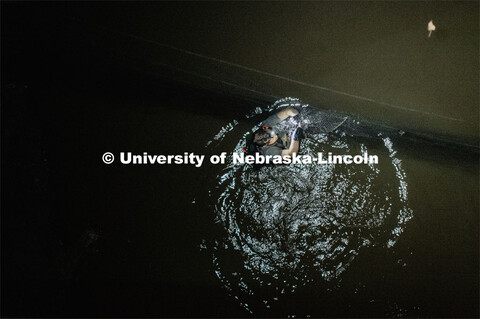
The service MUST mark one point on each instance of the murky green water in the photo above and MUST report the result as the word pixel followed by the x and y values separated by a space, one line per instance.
pixel 372 59
pixel 79 238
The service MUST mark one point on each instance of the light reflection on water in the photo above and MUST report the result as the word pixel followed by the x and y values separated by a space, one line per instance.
pixel 289 226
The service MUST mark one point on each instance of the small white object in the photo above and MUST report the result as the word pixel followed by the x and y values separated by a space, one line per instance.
pixel 431 27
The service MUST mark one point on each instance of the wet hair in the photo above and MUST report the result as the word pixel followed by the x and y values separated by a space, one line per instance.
pixel 261 137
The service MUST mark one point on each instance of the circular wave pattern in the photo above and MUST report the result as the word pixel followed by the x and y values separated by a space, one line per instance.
pixel 288 226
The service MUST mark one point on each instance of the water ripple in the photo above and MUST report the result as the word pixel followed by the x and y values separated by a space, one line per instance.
pixel 289 226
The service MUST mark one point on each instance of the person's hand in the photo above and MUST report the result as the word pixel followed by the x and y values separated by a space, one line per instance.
pixel 292 112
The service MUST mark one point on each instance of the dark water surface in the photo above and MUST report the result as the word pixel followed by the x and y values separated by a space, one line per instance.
pixel 367 58
pixel 81 238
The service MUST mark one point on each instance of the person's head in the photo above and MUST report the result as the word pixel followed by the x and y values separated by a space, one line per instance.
pixel 264 136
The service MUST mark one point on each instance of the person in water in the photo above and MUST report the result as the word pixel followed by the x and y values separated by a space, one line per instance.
pixel 267 142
